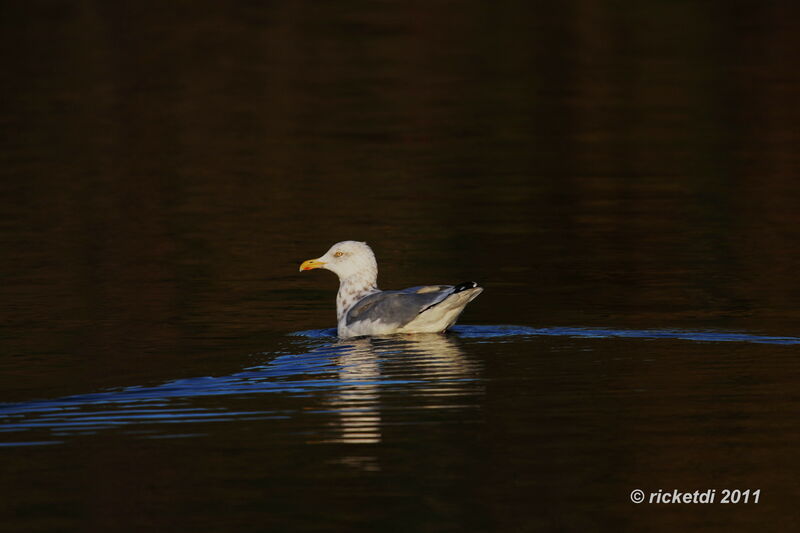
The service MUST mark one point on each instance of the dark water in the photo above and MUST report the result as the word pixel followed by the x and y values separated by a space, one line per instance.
pixel 622 180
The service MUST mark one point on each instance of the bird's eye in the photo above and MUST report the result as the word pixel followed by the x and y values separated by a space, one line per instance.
pixel 338 254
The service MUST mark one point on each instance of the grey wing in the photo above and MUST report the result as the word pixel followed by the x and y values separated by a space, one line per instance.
pixel 398 307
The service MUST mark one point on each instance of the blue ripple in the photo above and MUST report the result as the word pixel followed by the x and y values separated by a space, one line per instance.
pixel 322 363
pixel 498 331
pixel 488 332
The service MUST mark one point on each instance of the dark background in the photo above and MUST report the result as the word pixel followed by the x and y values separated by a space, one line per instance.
pixel 165 167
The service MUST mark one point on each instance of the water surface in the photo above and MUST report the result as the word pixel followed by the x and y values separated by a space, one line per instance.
pixel 621 180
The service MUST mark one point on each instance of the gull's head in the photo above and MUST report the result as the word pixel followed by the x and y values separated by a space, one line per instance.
pixel 346 259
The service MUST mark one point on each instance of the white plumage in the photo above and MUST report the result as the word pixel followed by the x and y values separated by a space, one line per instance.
pixel 363 309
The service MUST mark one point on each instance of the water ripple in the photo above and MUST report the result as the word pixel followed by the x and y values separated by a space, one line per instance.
pixel 344 374
pixel 491 332
pixel 350 377
pixel 501 331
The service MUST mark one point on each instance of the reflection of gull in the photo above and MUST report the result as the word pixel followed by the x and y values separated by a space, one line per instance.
pixel 356 400
pixel 369 368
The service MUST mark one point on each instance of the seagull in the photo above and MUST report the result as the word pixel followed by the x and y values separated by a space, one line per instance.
pixel 363 309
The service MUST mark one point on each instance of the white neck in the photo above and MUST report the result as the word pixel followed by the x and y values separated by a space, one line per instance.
pixel 353 288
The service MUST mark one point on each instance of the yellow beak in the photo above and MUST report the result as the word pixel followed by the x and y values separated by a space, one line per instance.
pixel 312 264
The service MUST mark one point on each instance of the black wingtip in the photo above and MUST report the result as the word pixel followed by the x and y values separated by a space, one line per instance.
pixel 464 286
